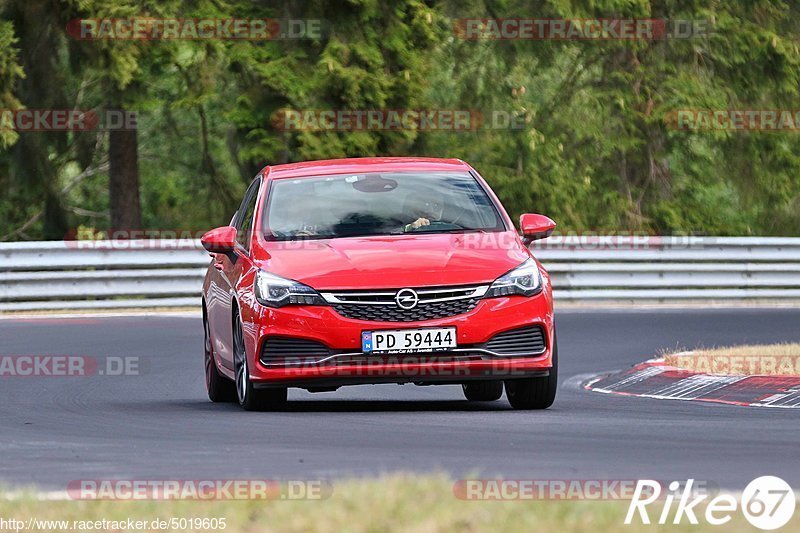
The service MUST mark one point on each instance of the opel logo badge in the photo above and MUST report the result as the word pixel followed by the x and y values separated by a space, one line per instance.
pixel 406 299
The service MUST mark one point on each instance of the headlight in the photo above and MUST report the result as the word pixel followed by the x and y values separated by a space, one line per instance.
pixel 525 280
pixel 275 291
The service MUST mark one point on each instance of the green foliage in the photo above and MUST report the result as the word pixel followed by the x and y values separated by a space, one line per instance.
pixel 10 72
pixel 592 147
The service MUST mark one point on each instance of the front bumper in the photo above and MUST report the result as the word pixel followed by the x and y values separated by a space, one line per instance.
pixel 322 324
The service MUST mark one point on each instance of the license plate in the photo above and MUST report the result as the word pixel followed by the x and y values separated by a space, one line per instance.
pixel 408 340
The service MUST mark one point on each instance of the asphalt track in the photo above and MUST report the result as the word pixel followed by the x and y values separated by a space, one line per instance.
pixel 159 424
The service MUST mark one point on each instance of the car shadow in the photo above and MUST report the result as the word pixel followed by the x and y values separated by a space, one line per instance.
pixel 362 406
pixel 303 406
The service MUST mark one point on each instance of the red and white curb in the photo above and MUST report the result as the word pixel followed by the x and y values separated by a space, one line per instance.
pixel 656 379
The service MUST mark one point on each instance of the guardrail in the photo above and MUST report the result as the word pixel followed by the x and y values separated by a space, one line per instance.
pixel 97 275
pixel 673 268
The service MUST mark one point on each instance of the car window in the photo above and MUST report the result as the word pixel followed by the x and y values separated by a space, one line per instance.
pixel 247 210
pixel 378 204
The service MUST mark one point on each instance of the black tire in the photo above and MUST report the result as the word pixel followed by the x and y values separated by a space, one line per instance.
pixel 483 391
pixel 534 393
pixel 250 398
pixel 220 389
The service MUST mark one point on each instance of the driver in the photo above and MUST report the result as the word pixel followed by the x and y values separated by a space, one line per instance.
pixel 425 210
pixel 293 220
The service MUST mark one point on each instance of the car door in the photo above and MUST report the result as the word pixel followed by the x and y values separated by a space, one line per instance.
pixel 230 268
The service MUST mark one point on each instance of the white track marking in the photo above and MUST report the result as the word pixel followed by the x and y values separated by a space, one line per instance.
pixel 693 387
pixel 636 377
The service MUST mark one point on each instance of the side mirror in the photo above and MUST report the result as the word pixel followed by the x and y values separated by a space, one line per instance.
pixel 535 227
pixel 220 240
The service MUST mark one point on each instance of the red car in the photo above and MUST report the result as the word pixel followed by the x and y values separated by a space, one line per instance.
pixel 377 270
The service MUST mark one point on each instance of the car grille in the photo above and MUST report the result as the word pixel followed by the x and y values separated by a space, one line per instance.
pixel 380 306
pixel 421 312
pixel 280 350
pixel 529 340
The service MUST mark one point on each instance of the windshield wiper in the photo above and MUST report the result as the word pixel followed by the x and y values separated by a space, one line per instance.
pixel 456 230
pixel 295 238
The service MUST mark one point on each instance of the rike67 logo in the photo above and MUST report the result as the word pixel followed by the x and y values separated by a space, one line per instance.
pixel 767 502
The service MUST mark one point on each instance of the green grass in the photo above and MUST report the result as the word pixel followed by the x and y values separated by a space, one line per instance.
pixel 394 503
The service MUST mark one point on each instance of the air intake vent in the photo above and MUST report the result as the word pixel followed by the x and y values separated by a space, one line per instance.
pixel 278 350
pixel 529 340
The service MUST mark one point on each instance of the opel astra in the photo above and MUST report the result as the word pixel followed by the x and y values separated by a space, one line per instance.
pixel 377 270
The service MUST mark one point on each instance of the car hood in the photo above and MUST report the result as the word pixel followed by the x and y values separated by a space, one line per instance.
pixel 396 261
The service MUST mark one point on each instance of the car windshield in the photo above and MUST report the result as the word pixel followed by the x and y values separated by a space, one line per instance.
pixel 351 205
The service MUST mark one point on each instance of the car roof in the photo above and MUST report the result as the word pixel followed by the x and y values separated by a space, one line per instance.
pixel 363 164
